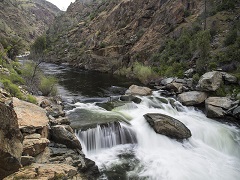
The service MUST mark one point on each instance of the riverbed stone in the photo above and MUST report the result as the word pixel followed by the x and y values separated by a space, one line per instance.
pixel 168 126
pixel 130 98
pixel 138 90
pixel 192 98
pixel 176 87
pixel 236 112
pixel 214 111
pixel 210 81
pixel 223 102
pixel 10 141
pixel 167 81
pixel 64 134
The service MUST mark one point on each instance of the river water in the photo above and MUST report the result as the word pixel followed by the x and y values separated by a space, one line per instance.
pixel 133 150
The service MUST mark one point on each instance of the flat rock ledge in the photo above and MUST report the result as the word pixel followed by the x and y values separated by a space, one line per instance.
pixel 168 126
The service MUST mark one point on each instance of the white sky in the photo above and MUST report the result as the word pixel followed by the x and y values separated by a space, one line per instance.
pixel 61 4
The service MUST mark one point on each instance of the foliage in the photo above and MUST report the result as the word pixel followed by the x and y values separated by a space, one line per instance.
pixel 39 46
pixel 31 99
pixel 12 88
pixel 226 5
pixel 48 86
pixel 231 37
pixel 143 73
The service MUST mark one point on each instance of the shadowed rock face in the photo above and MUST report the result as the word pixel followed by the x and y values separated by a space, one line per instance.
pixel 168 126
pixel 10 142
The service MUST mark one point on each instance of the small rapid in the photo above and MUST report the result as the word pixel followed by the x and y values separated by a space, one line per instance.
pixel 213 151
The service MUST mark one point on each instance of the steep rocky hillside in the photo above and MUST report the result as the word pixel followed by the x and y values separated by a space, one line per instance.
pixel 111 34
pixel 25 20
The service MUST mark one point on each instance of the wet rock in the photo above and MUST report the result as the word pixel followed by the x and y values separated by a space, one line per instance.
pixel 214 111
pixel 192 98
pixel 210 81
pixel 10 141
pixel 222 102
pixel 55 111
pixel 229 78
pixel 84 119
pixel 236 112
pixel 33 147
pixel 138 90
pixel 168 126
pixel 130 98
pixel 64 134
pixel 45 103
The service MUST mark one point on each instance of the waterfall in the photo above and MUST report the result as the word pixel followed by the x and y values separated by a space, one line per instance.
pixel 212 153
pixel 106 136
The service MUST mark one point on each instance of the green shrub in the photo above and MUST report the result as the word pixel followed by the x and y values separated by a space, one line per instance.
pixel 48 86
pixel 12 88
pixel 143 73
pixel 196 78
pixel 231 37
pixel 31 99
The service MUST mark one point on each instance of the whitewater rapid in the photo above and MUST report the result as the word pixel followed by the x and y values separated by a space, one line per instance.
pixel 212 153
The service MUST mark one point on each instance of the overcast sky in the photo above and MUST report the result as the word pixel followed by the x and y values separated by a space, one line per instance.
pixel 61 4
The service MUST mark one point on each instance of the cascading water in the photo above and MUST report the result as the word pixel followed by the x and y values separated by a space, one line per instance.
pixel 213 151
pixel 106 136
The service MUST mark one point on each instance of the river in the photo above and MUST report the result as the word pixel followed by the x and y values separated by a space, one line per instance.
pixel 133 150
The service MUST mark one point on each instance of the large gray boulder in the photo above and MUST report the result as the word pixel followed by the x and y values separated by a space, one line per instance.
pixel 138 90
pixel 229 78
pixel 168 126
pixel 236 112
pixel 64 134
pixel 210 81
pixel 214 111
pixel 10 142
pixel 216 106
pixel 192 98
pixel 222 102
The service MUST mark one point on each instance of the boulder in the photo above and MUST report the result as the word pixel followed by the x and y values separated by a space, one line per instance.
pixel 167 81
pixel 222 102
pixel 64 134
pixel 210 81
pixel 138 90
pixel 168 126
pixel 10 142
pixel 31 118
pixel 192 98
pixel 130 98
pixel 34 146
pixel 27 160
pixel 229 78
pixel 176 87
pixel 236 112
pixel 214 111
pixel 60 120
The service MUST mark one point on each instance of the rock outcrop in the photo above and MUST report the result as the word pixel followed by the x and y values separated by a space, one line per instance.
pixel 10 142
pixel 168 126
pixel 31 118
pixel 192 98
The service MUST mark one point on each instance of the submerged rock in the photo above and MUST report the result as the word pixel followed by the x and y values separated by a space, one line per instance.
pixel 10 142
pixel 210 81
pixel 168 126
pixel 192 98
pixel 130 98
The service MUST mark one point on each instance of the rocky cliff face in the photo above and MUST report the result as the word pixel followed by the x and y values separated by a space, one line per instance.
pixel 106 35
pixel 10 141
pixel 25 19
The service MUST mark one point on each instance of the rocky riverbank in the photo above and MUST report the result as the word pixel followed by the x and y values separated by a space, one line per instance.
pixel 37 142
